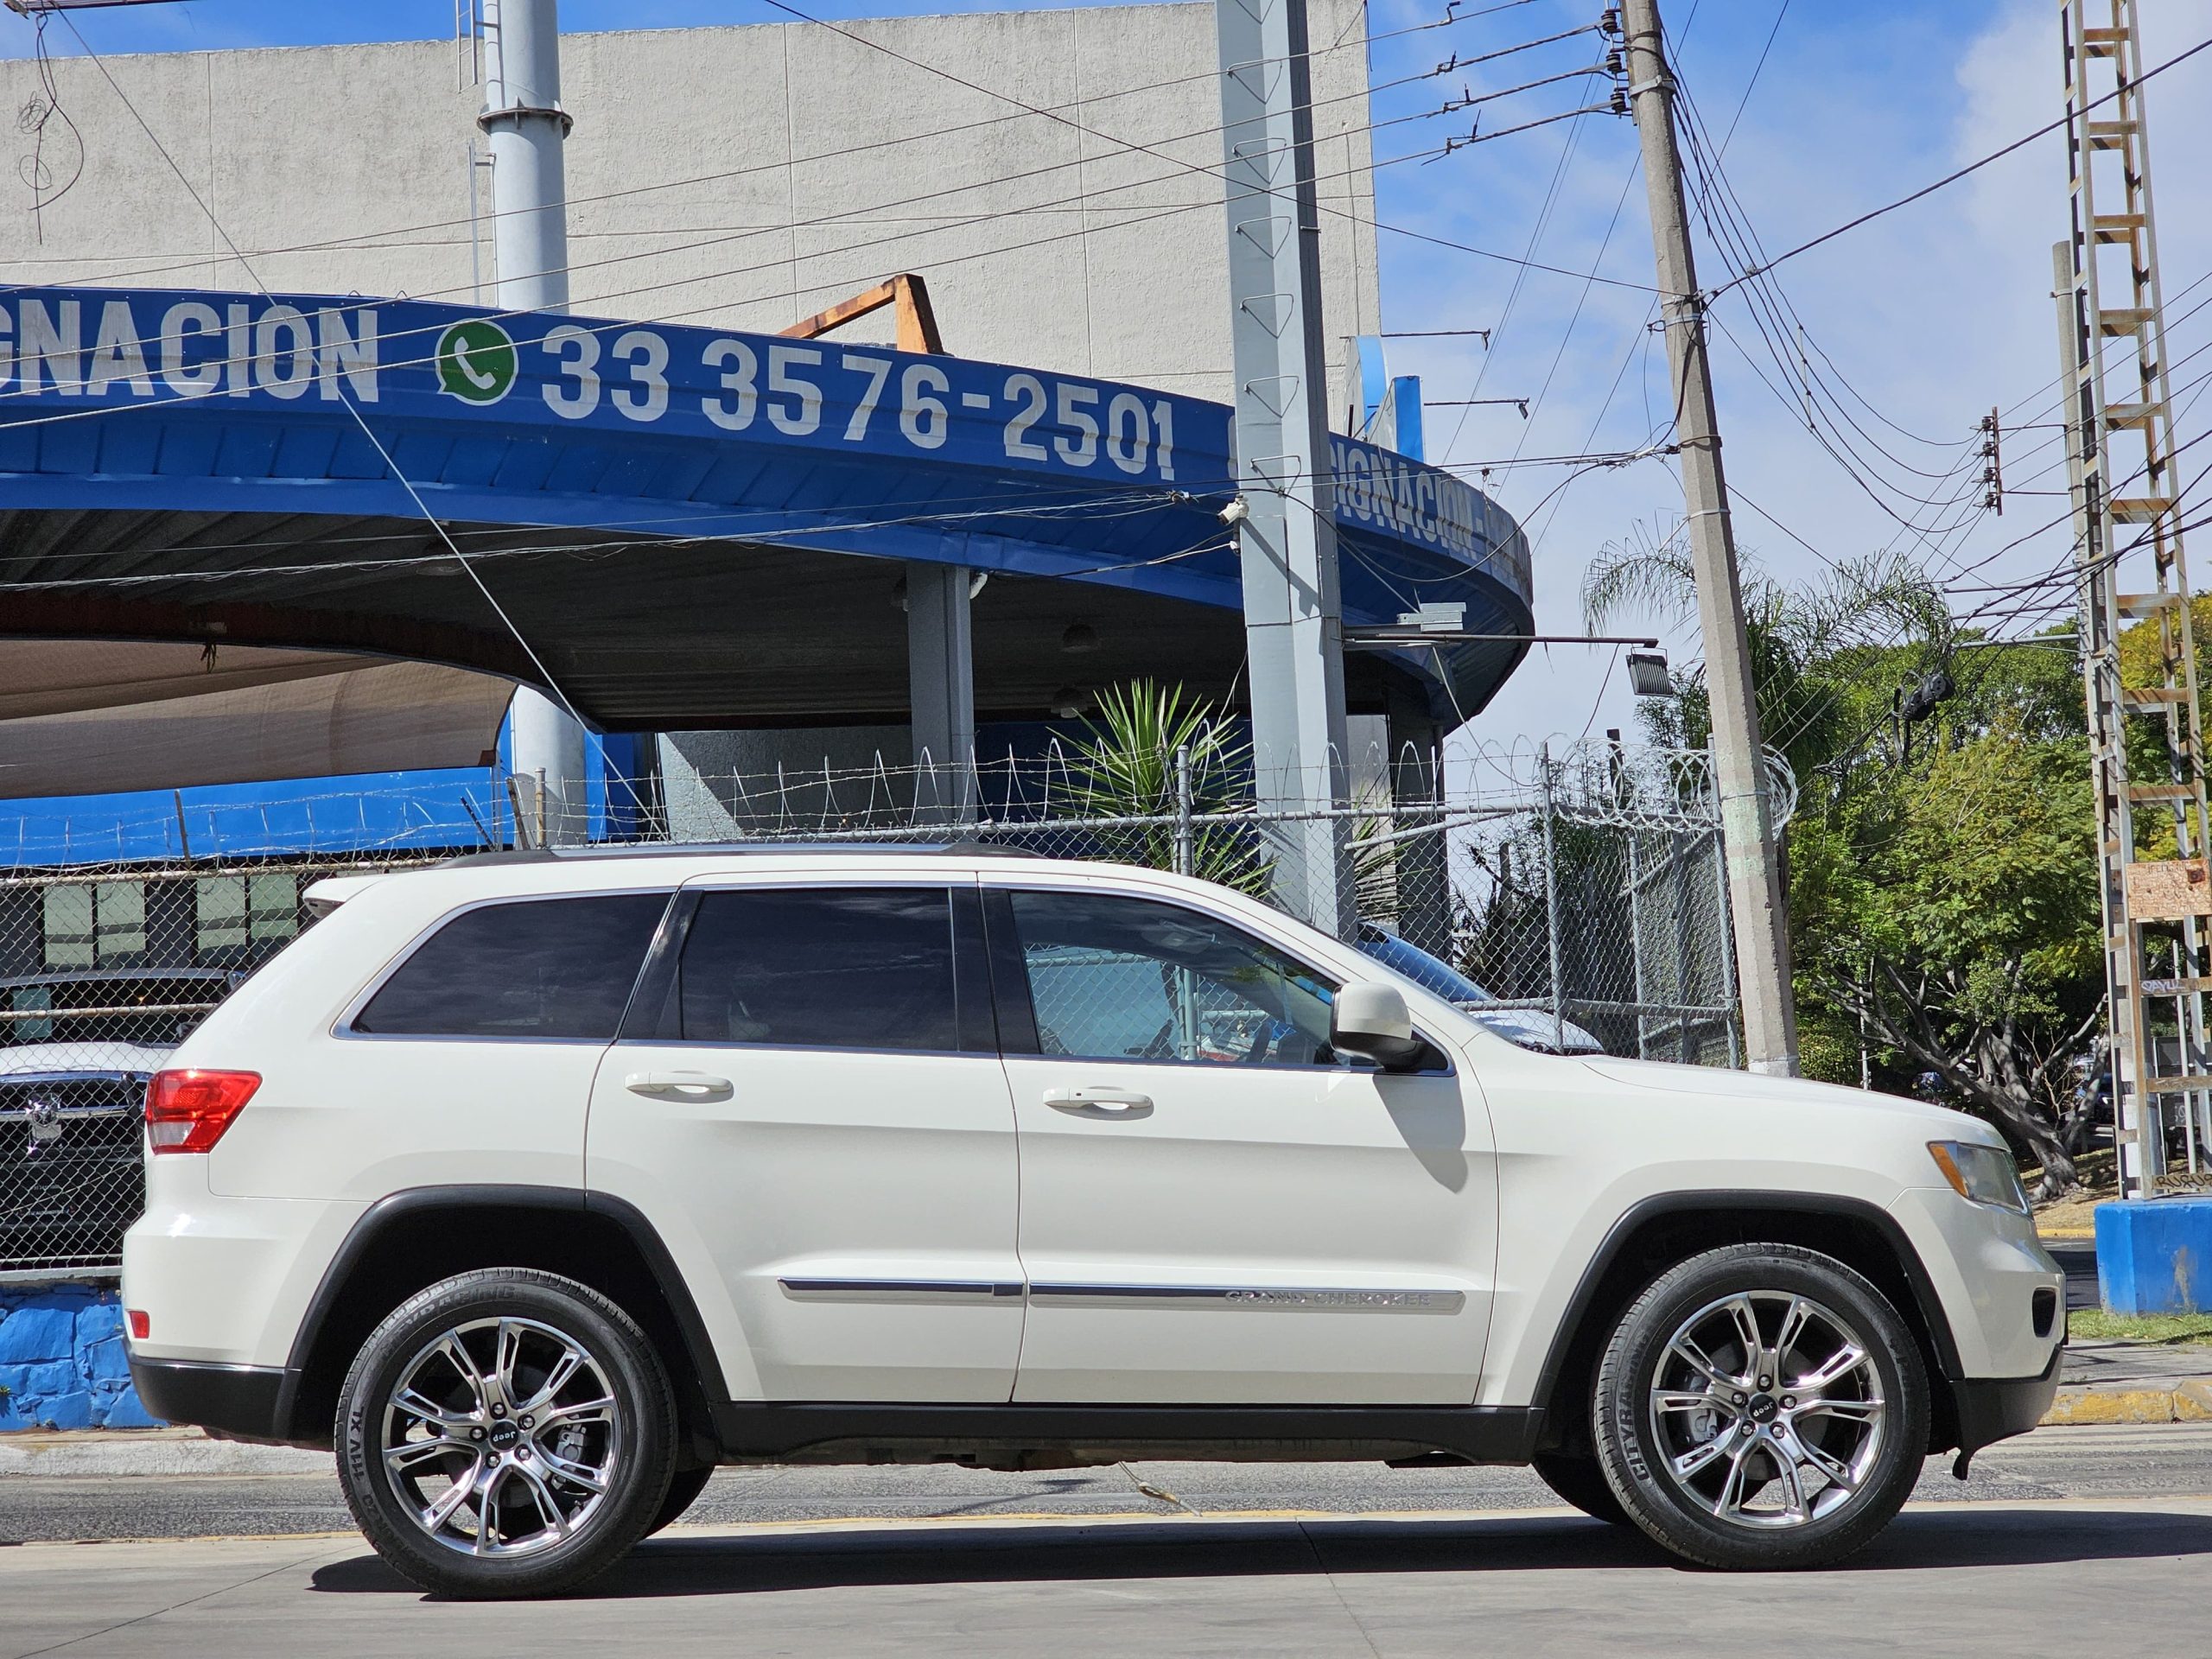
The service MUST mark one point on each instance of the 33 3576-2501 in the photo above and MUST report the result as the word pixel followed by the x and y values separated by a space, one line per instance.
pixel 862 398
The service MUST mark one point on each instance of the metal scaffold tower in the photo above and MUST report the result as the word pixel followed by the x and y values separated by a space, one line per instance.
pixel 2128 549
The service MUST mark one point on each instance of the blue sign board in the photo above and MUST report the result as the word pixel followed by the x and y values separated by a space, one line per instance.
pixel 69 357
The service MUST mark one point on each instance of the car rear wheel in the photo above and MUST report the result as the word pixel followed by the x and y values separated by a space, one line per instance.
pixel 507 1432
pixel 1761 1406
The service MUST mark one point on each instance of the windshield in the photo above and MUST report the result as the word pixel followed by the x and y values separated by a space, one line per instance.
pixel 1432 973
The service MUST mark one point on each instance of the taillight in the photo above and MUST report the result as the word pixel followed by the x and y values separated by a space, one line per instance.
pixel 188 1111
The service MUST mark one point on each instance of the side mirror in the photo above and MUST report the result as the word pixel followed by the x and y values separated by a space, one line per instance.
pixel 1371 1018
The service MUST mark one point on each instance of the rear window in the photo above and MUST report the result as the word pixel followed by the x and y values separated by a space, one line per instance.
pixel 537 967
pixel 834 968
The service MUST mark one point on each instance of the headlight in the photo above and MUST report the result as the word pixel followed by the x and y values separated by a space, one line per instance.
pixel 1984 1174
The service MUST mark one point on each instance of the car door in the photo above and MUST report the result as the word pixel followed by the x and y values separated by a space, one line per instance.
pixel 469 1061
pixel 807 1103
pixel 1214 1208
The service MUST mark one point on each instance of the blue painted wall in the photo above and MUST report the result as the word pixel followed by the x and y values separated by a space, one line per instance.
pixel 459 807
pixel 63 1364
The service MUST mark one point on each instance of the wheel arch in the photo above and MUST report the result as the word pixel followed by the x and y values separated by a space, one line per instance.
pixel 1658 1232
pixel 409 1240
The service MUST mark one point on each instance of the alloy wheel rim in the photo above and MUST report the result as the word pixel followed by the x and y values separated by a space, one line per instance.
pixel 1767 1410
pixel 501 1437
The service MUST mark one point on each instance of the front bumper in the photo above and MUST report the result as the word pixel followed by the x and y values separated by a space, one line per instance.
pixel 235 1402
pixel 1995 1409
pixel 1986 1268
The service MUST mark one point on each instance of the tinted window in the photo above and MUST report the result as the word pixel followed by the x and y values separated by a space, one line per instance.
pixel 1115 978
pixel 835 968
pixel 540 968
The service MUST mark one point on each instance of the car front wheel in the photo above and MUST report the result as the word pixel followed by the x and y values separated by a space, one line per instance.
pixel 505 1432
pixel 1761 1406
pixel 1580 1482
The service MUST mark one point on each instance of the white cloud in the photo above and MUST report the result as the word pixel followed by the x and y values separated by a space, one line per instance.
pixel 1933 314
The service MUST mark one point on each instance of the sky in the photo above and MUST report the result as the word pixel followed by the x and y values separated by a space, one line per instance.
pixel 1914 327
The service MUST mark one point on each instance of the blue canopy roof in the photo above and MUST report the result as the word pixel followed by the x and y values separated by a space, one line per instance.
pixel 662 464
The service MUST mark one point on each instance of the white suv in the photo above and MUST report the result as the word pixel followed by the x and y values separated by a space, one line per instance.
pixel 541 1184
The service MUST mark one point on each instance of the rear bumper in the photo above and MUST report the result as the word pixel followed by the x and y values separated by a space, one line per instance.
pixel 1990 1411
pixel 236 1402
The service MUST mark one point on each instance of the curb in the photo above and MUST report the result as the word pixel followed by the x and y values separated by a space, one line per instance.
pixel 137 1453
pixel 2189 1401
pixel 127 1453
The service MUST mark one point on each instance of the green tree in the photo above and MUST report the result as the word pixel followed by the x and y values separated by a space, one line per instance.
pixel 1941 872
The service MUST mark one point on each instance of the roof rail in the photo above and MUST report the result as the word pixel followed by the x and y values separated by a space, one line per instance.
pixel 966 848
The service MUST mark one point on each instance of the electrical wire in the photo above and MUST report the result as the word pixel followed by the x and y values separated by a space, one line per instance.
pixel 551 684
pixel 1953 178
pixel 1081 197
pixel 364 239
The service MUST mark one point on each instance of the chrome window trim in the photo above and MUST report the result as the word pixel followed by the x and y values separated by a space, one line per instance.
pixel 792 880
pixel 725 1047
pixel 343 1027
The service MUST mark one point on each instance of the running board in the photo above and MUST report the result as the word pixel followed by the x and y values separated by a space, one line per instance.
pixel 1065 1437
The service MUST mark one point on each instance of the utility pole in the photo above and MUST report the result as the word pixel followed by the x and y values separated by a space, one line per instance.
pixel 1754 865
pixel 527 127
pixel 1287 538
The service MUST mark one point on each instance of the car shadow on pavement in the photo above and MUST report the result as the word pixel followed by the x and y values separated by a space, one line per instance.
pixel 702 1564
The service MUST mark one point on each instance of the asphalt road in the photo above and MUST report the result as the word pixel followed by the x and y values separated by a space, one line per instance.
pixel 2072 1578
pixel 2078 1257
pixel 1293 1559
pixel 2101 1462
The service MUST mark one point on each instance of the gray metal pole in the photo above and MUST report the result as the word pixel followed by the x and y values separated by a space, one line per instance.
pixel 1293 628
pixel 1762 925
pixel 1551 921
pixel 1186 863
pixel 941 679
pixel 526 127
pixel 1728 977
pixel 1186 860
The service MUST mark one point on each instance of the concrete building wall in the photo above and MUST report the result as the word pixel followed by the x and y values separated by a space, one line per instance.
pixel 740 177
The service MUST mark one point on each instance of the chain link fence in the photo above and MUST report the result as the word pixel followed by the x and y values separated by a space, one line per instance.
pixel 1573 901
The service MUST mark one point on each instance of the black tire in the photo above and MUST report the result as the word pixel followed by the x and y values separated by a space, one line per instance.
pixel 1581 1482
pixel 1721 1461
pixel 558 1467
pixel 683 1489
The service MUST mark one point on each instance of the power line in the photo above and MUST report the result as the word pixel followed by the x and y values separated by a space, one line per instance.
pixel 1081 197
pixel 1950 178
pixel 993 217
pixel 364 239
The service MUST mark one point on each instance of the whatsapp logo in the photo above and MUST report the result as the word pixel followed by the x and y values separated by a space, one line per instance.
pixel 476 361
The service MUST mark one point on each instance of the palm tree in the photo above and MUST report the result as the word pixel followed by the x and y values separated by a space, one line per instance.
pixel 1872 605
pixel 1126 767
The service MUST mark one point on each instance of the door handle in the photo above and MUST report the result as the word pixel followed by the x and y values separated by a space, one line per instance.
pixel 679 1085
pixel 1099 1102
